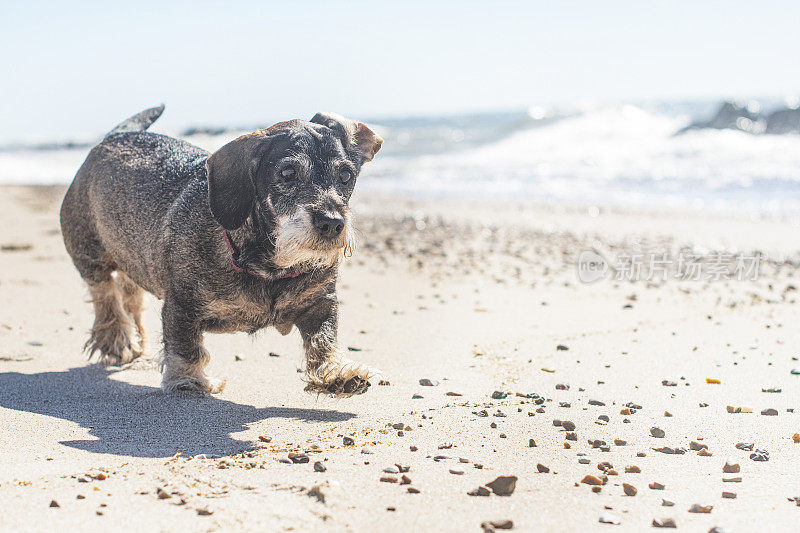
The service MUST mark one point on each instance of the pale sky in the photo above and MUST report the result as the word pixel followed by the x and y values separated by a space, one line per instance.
pixel 71 68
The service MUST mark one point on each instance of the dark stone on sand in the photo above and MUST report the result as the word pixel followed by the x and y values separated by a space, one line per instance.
pixel 503 485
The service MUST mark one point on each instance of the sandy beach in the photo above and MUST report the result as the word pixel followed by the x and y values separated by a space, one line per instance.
pixel 532 374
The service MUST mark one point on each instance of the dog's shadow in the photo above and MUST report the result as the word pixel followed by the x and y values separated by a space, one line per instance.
pixel 141 421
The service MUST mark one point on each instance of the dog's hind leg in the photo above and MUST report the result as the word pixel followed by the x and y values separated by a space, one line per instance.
pixel 112 332
pixel 133 302
pixel 184 358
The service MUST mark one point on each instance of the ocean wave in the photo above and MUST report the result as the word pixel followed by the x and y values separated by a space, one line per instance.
pixel 624 154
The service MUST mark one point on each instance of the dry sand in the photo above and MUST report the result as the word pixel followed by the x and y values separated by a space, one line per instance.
pixel 476 296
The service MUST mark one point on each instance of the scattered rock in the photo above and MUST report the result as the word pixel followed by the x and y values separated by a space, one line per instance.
pixel 657 432
pixel 671 451
pixel 746 446
pixel 729 495
pixel 665 522
pixel 596 402
pixel 542 469
pixel 667 503
pixel 204 511
pixel 591 480
pixel 391 470
pixel 298 458
pixel 480 491
pixel 629 489
pixel 633 469
pixel 389 479
pixel 499 395
pixel 656 486
pixel 490 526
pixel 425 382
pixel 347 441
pixel 713 381
pixel 367 451
pixel 503 485
pixel 562 348
pixel 770 412
pixel 162 494
pixel 697 508
pixel 731 468
pixel 319 467
pixel 457 471
pixel 696 446
pixel 54 503
pixel 316 493
pixel 760 455
pixel 532 443
pixel 608 518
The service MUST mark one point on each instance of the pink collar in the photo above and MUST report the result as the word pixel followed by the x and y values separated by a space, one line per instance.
pixel 235 263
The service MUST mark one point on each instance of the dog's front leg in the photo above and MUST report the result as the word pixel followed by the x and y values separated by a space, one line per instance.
pixel 184 358
pixel 328 371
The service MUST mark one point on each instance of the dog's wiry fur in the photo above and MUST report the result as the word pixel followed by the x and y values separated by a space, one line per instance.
pixel 147 212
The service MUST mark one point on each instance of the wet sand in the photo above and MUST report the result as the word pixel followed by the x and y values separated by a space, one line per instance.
pixel 482 299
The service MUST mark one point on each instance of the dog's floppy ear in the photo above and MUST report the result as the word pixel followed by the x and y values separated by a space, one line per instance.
pixel 357 134
pixel 231 191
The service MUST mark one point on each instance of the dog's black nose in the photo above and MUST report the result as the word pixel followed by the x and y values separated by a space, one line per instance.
pixel 329 227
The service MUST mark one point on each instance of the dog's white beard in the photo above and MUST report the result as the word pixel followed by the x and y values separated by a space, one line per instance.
pixel 296 243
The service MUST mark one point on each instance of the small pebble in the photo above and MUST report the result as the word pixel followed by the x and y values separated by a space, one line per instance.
pixel 731 468
pixel 425 382
pixel 770 412
pixel 665 522
pixel 729 495
pixel 608 518
pixel 704 509
pixel 541 468
pixel 760 455
pixel 657 432
pixel 503 485
pixel 629 489
pixel 656 486
pixel 319 467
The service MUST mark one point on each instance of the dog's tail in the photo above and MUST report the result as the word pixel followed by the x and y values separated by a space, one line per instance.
pixel 138 122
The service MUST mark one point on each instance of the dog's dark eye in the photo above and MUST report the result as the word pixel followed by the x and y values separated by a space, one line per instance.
pixel 288 173
pixel 345 175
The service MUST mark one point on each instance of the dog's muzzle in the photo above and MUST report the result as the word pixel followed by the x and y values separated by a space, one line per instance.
pixel 328 225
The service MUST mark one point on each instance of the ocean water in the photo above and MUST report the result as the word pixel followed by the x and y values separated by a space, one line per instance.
pixel 625 155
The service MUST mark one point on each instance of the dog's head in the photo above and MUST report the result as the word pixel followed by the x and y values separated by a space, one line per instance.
pixel 297 175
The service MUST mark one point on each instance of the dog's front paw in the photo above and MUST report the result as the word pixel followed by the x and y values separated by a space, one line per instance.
pixel 339 377
pixel 200 384
pixel 183 375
